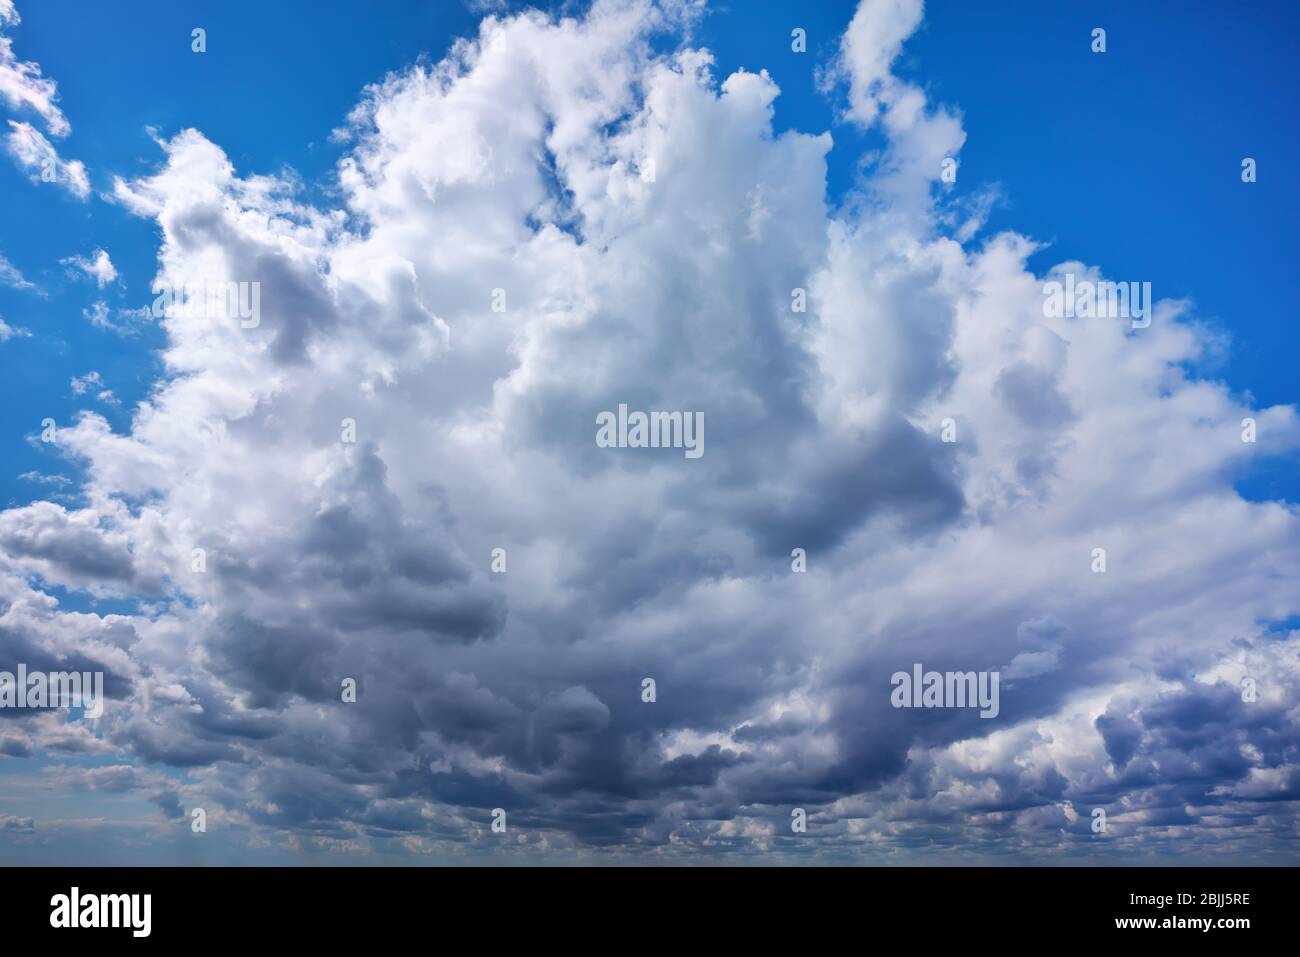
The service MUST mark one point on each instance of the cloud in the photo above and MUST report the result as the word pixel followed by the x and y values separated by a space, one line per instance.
pixel 26 90
pixel 123 322
pixel 97 313
pixel 92 382
pixel 8 332
pixel 280 559
pixel 10 276
pixel 868 50
pixel 23 87
pixel 98 266
pixel 82 384
pixel 40 477
pixel 77 548
pixel 34 153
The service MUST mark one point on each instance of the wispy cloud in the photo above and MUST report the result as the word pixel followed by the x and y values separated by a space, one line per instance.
pixel 10 275
pixel 22 87
pixel 98 266
pixel 38 157
pixel 25 89
pixel 8 332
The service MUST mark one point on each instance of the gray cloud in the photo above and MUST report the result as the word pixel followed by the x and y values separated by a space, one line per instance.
pixel 327 560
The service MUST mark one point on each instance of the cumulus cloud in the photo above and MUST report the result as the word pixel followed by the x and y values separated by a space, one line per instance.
pixel 281 559
pixel 74 548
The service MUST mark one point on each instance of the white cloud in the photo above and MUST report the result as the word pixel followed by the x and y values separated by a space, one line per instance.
pixel 11 276
pixel 98 266
pixel 43 479
pixel 81 384
pixel 34 153
pixel 476 430
pixel 869 48
pixel 8 332
pixel 98 314
pixel 23 87
pixel 89 382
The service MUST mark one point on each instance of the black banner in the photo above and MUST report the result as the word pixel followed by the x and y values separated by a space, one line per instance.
pixel 1151 906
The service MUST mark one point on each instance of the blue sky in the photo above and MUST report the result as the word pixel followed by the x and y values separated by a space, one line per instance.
pixel 1127 161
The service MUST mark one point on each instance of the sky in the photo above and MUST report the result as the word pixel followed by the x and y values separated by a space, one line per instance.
pixel 475 227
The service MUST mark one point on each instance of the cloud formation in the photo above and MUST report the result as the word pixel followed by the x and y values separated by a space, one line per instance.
pixel 98 266
pixel 22 86
pixel 633 230
pixel 37 156
pixel 11 276
pixel 25 89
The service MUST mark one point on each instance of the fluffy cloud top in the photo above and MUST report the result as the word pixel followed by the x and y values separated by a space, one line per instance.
pixel 647 233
